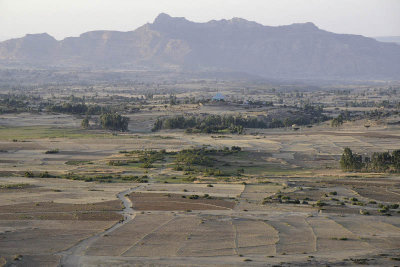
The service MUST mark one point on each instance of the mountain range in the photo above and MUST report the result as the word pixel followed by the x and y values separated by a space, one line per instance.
pixel 298 51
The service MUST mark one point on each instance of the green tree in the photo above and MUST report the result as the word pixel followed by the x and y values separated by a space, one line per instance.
pixel 336 122
pixel 114 121
pixel 85 123
pixel 346 161
pixel 350 161
pixel 396 159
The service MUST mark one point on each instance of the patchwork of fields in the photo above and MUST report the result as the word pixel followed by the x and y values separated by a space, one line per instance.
pixel 279 200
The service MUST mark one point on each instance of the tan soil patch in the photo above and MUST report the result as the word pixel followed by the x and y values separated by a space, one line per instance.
pixel 295 235
pixel 103 211
pixel 45 237
pixel 214 237
pixel 374 230
pixel 329 233
pixel 157 201
pixel 128 236
pixel 166 240
pixel 378 193
pixel 114 205
pixel 255 237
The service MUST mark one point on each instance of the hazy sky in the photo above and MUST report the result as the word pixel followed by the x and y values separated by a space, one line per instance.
pixel 61 18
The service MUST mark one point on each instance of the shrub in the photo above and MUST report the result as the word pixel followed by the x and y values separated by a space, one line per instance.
pixel 364 212
pixel 85 123
pixel 45 175
pixel 52 151
pixel 147 165
pixel 236 148
pixel 117 163
pixel 29 174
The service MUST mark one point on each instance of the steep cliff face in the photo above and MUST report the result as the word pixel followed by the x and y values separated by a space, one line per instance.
pixel 292 51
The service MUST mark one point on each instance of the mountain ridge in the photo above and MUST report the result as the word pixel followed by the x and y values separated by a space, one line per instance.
pixel 299 50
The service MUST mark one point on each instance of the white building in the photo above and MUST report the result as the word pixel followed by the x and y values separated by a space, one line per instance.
pixel 219 97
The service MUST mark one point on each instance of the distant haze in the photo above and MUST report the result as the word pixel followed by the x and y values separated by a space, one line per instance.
pixel 388 39
pixel 299 50
pixel 63 18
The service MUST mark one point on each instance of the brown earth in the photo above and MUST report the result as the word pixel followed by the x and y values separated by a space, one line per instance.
pixel 156 201
pixel 102 211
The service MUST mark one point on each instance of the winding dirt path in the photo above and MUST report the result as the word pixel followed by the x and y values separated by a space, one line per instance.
pixel 72 256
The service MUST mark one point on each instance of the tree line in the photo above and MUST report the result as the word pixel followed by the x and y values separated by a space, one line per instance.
pixel 78 108
pixel 236 124
pixel 378 162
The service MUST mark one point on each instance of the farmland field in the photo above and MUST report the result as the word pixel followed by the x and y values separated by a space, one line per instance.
pixel 71 195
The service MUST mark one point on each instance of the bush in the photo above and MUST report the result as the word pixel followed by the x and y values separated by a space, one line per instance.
pixel 29 174
pixel 117 163
pixel 85 123
pixel 45 175
pixel 52 151
pixel 236 148
pixel 364 212
pixel 146 165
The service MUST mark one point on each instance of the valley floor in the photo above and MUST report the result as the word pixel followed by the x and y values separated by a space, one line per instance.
pixel 291 205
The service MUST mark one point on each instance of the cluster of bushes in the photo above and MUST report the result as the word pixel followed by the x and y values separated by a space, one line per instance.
pixel 105 178
pixel 202 160
pixel 52 151
pixel 45 174
pixel 117 163
pixel 385 209
pixel 14 186
pixel 202 156
pixel 147 158
pixel 336 122
pixel 378 162
pixel 10 103
pixel 206 196
pixel 98 178
pixel 114 121
pixel 190 157
pixel 282 199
